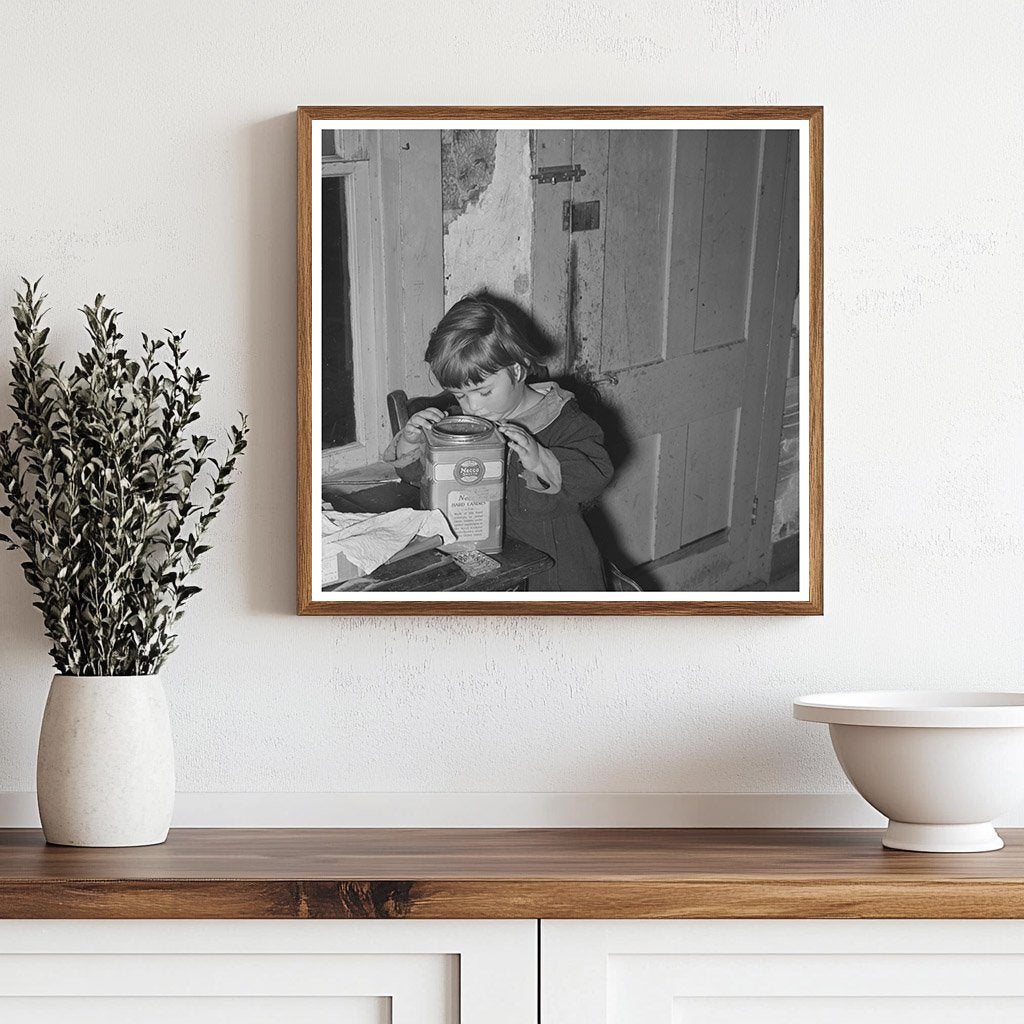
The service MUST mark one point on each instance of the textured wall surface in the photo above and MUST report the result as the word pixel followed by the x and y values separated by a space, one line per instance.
pixel 150 155
pixel 488 222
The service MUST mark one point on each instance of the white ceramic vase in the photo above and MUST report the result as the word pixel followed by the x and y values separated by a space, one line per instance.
pixel 105 771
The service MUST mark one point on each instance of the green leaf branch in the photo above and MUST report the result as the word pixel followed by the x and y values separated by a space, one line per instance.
pixel 109 494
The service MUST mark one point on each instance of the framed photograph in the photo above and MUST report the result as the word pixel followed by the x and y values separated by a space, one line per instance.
pixel 560 361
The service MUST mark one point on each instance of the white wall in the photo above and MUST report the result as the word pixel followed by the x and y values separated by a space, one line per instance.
pixel 148 152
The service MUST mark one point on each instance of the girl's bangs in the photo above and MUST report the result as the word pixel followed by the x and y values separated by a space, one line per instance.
pixel 469 362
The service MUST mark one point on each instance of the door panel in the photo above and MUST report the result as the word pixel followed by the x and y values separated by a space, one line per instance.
pixel 710 470
pixel 684 248
pixel 734 170
pixel 671 486
pixel 639 214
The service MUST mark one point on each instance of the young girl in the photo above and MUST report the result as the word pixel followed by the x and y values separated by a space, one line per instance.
pixel 557 460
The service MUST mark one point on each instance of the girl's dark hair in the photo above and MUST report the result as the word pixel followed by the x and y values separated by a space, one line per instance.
pixel 478 337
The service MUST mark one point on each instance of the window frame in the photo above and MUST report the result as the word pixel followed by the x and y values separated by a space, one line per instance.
pixel 365 288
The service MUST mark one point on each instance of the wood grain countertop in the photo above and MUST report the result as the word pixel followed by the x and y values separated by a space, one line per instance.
pixel 508 873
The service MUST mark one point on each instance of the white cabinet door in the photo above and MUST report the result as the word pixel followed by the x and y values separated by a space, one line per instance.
pixel 299 972
pixel 782 972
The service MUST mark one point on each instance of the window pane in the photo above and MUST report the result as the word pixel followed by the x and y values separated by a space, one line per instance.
pixel 339 415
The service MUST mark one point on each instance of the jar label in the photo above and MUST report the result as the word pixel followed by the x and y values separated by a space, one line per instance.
pixel 445 471
pixel 469 512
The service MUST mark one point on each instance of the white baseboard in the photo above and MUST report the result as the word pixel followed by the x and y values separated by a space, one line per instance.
pixel 504 810
pixel 494 810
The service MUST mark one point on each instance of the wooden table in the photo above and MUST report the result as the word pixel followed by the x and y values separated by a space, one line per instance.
pixel 508 873
pixel 436 571
pixel 428 570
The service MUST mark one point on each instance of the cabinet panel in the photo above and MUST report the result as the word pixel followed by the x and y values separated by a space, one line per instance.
pixel 848 1010
pixel 189 1010
pixel 304 972
pixel 732 972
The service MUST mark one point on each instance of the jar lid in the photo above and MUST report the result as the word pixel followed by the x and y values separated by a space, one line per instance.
pixel 463 428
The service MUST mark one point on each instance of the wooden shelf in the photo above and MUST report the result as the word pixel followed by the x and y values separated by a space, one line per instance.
pixel 508 873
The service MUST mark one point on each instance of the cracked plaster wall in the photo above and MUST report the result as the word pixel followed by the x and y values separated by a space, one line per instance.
pixel 487 212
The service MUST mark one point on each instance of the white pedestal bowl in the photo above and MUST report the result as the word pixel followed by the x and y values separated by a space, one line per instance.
pixel 940 766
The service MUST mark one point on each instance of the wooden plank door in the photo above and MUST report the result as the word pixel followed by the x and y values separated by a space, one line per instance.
pixel 675 309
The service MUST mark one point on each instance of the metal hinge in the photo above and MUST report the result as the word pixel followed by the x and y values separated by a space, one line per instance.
pixel 557 174
pixel 753 512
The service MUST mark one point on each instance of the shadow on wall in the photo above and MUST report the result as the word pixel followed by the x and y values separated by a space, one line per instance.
pixel 268 325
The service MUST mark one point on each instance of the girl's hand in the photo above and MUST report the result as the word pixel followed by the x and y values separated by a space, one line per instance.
pixel 524 444
pixel 412 432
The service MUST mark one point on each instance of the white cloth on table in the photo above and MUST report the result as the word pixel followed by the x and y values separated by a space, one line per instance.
pixel 369 539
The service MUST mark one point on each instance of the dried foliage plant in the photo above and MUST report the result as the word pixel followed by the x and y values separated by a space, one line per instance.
pixel 109 495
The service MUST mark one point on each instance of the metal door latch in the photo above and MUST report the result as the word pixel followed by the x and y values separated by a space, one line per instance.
pixel 557 174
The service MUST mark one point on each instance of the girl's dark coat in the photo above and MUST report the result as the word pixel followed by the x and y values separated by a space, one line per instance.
pixel 553 523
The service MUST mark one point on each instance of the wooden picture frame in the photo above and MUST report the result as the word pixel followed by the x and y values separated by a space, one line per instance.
pixel 401 199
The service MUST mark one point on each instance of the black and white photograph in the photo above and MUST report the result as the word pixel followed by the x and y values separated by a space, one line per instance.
pixel 557 361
